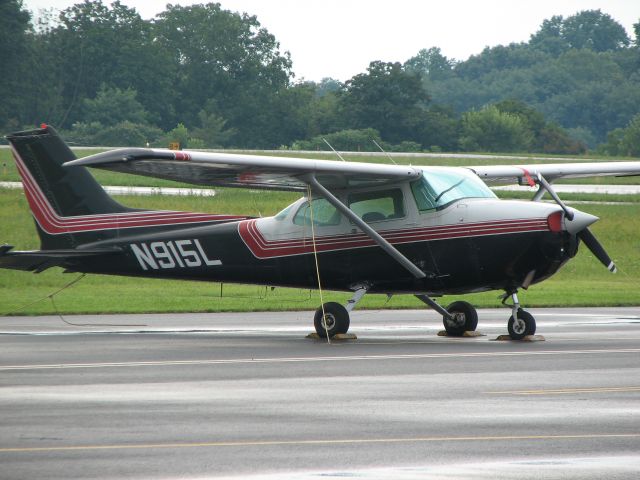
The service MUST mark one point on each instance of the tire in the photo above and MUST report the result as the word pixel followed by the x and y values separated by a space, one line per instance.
pixel 336 317
pixel 467 319
pixel 519 330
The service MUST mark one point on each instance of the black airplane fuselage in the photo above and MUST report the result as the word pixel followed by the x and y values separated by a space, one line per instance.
pixel 470 260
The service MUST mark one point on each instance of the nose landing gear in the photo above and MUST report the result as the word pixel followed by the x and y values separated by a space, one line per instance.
pixel 521 323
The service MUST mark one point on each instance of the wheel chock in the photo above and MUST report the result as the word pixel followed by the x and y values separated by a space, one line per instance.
pixel 337 336
pixel 528 338
pixel 468 334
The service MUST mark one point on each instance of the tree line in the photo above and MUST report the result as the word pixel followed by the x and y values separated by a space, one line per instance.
pixel 209 77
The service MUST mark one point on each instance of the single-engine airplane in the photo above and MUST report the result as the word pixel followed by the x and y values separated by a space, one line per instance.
pixel 359 227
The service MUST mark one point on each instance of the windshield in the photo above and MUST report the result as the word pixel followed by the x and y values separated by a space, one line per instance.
pixel 438 188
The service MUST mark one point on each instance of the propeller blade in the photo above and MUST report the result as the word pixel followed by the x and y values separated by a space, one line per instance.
pixel 594 245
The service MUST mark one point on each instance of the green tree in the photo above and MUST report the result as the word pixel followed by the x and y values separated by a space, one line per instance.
pixel 180 134
pixel 113 105
pixel 439 129
pixel 546 137
pixel 228 58
pixel 625 141
pixel 127 134
pixel 328 85
pixel 14 41
pixel 350 140
pixel 595 31
pixel 121 134
pixel 491 130
pixel 388 99
pixel 589 29
pixel 583 89
pixel 430 63
pixel 96 44
pixel 212 129
pixel 549 38
pixel 317 107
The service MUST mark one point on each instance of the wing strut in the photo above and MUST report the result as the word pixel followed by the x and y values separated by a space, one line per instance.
pixel 375 236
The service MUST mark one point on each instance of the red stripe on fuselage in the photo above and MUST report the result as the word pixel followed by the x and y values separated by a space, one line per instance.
pixel 53 223
pixel 260 247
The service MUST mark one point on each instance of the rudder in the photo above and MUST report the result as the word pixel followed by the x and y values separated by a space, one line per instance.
pixel 59 197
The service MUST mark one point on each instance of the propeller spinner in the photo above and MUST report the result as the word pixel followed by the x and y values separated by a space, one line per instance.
pixel 577 223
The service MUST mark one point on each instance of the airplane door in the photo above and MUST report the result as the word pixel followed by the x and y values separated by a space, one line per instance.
pixel 289 237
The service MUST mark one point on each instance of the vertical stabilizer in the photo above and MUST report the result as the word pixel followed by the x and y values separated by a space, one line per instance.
pixel 61 199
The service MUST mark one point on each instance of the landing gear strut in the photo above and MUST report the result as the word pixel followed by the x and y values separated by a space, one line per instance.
pixel 521 323
pixel 459 317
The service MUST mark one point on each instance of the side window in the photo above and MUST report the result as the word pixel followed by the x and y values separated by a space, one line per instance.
pixel 424 195
pixel 377 205
pixel 323 214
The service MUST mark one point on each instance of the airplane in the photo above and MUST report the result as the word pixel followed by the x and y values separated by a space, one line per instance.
pixel 363 228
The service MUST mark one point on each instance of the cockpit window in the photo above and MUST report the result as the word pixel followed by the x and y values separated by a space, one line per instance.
pixel 437 189
pixel 283 213
pixel 322 212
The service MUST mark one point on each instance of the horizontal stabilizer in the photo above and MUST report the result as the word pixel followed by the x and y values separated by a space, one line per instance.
pixel 39 260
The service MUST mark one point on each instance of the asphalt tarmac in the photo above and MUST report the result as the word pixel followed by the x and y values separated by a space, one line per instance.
pixel 247 395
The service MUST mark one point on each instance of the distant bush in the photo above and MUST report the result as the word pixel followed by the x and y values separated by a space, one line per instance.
pixel 624 141
pixel 344 140
pixel 123 134
pixel 355 141
pixel 557 140
pixel 491 130
pixel 406 146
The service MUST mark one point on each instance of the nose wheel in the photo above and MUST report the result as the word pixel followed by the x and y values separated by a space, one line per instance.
pixel 521 323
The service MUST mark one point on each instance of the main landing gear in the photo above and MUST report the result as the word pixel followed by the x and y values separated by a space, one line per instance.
pixel 331 318
pixel 457 318
pixel 465 319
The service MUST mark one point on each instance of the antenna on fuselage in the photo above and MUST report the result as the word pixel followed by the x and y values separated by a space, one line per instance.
pixel 334 150
pixel 383 151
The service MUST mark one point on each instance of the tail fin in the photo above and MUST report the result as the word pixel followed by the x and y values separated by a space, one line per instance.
pixel 61 199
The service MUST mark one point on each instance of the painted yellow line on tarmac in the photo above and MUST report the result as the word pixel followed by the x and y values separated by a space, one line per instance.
pixel 345 358
pixel 348 441
pixel 567 391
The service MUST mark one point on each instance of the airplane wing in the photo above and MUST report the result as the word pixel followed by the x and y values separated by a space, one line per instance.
pixel 249 171
pixel 525 174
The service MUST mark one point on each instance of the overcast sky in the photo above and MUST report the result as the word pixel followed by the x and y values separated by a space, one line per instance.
pixel 338 38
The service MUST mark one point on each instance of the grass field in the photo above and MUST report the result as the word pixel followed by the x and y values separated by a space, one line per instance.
pixel 582 282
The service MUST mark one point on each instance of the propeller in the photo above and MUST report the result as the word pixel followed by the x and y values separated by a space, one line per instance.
pixel 577 222
pixel 593 244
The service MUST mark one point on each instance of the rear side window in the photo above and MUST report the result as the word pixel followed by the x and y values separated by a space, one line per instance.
pixel 377 205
